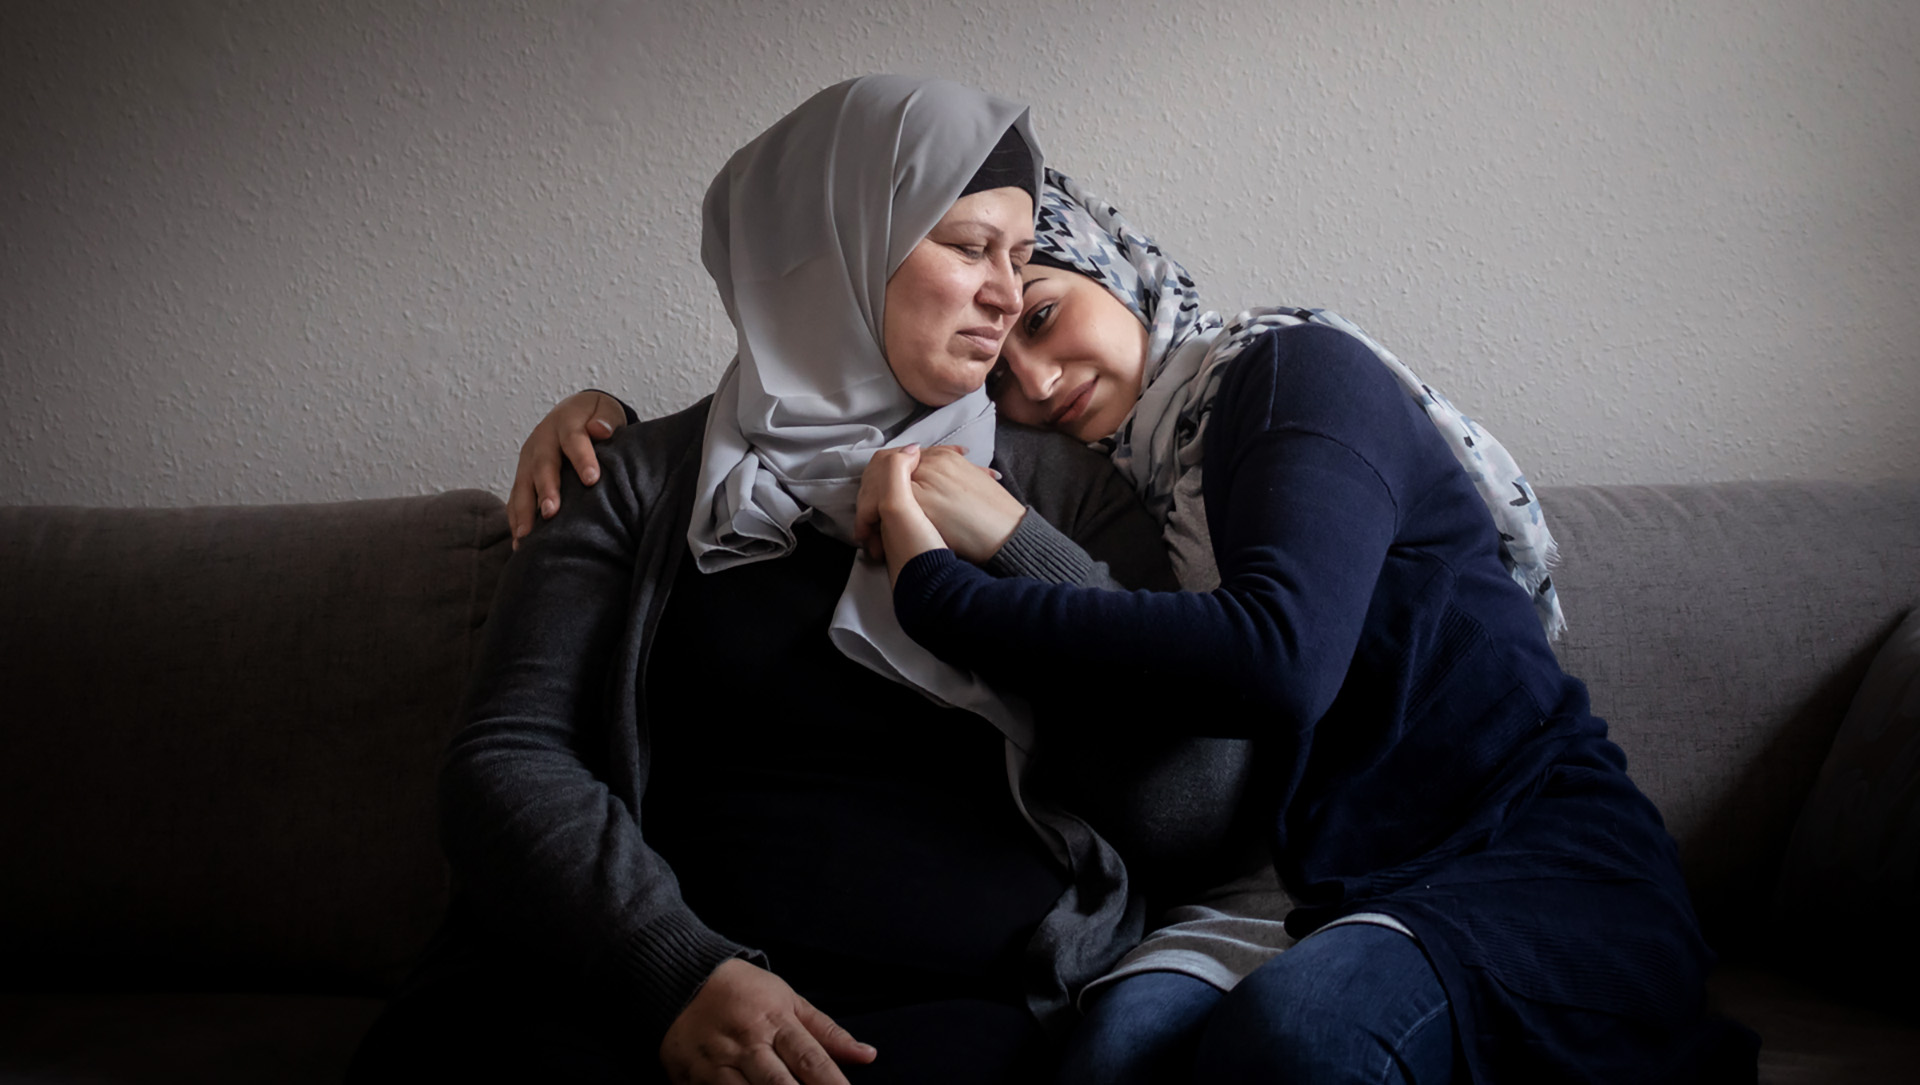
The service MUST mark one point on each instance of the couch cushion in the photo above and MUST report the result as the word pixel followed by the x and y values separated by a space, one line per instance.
pixel 209 1039
pixel 1807 1038
pixel 222 727
pixel 1722 630
pixel 1852 874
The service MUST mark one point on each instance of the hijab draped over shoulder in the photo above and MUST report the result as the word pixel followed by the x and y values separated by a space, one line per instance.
pixel 802 229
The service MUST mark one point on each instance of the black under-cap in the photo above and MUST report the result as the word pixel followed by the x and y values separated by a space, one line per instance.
pixel 1008 165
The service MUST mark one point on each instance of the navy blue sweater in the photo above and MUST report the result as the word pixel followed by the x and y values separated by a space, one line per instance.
pixel 1364 630
pixel 1425 755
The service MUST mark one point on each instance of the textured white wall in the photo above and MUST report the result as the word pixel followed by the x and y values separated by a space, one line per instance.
pixel 272 251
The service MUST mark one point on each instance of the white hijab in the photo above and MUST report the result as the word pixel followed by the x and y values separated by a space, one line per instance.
pixel 802 229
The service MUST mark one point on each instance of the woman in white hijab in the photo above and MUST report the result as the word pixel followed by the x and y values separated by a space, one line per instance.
pixel 706 799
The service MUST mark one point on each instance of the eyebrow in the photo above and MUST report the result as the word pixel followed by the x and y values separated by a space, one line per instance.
pixel 993 229
pixel 1024 283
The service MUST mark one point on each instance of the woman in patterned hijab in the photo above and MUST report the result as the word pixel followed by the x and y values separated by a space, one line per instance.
pixel 1187 351
pixel 1479 891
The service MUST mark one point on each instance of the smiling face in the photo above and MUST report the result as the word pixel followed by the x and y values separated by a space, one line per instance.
pixel 1074 359
pixel 951 301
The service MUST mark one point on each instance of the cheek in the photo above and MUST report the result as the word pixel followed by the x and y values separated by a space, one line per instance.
pixel 1113 336
pixel 905 328
pixel 1130 354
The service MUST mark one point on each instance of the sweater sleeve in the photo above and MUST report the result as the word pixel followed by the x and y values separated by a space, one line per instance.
pixel 1038 550
pixel 549 856
pixel 1301 523
pixel 1090 528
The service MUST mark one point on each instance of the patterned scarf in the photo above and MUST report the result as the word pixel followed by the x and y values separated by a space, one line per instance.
pixel 1188 349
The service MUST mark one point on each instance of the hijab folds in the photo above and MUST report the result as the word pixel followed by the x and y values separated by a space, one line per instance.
pixel 802 229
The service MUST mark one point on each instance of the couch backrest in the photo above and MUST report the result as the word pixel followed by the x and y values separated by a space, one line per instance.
pixel 220 727
pixel 1722 630
pixel 280 682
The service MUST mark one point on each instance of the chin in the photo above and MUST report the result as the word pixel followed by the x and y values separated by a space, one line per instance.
pixel 963 385
pixel 1092 433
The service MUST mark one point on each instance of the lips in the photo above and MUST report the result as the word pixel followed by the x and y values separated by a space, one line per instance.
pixel 987 339
pixel 1075 405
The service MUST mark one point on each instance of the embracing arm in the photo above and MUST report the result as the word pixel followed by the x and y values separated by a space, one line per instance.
pixel 1302 524
pixel 1277 634
pixel 570 430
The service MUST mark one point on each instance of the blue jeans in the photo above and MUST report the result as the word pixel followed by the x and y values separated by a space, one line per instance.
pixel 1355 1003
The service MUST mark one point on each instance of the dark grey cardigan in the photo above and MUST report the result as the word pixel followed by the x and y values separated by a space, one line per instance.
pixel 541 788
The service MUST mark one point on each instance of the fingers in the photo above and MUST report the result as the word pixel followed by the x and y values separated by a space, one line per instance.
pixel 805 1058
pixel 598 414
pixel 577 420
pixel 607 416
pixel 838 1042
pixel 898 471
pixel 953 456
pixel 546 484
pixel 745 1026
pixel 519 508
pixel 569 430
pixel 761 1065
pixel 578 448
pixel 889 474
pixel 536 485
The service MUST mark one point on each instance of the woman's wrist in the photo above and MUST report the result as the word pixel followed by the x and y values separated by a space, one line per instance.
pixel 906 534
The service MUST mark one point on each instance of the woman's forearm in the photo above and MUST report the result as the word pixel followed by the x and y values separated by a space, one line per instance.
pixel 1308 525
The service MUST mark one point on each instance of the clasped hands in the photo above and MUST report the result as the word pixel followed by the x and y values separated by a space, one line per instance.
pixel 913 500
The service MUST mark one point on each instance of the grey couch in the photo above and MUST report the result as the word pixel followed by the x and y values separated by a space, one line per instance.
pixel 221 727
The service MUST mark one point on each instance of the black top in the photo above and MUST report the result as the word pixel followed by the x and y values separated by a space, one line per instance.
pixel 862 836
pixel 545 781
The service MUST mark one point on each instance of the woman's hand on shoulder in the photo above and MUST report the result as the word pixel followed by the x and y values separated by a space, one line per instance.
pixel 746 1024
pixel 570 430
pixel 965 502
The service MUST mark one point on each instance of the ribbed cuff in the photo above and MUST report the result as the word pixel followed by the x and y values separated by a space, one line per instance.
pixel 667 960
pixel 1038 550
pixel 921 578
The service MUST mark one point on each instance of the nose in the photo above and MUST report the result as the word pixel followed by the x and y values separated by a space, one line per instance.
pixel 1001 290
pixel 1033 371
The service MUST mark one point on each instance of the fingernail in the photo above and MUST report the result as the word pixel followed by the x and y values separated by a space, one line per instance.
pixel 592 476
pixel 910 448
pixel 549 507
pixel 600 427
pixel 994 474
